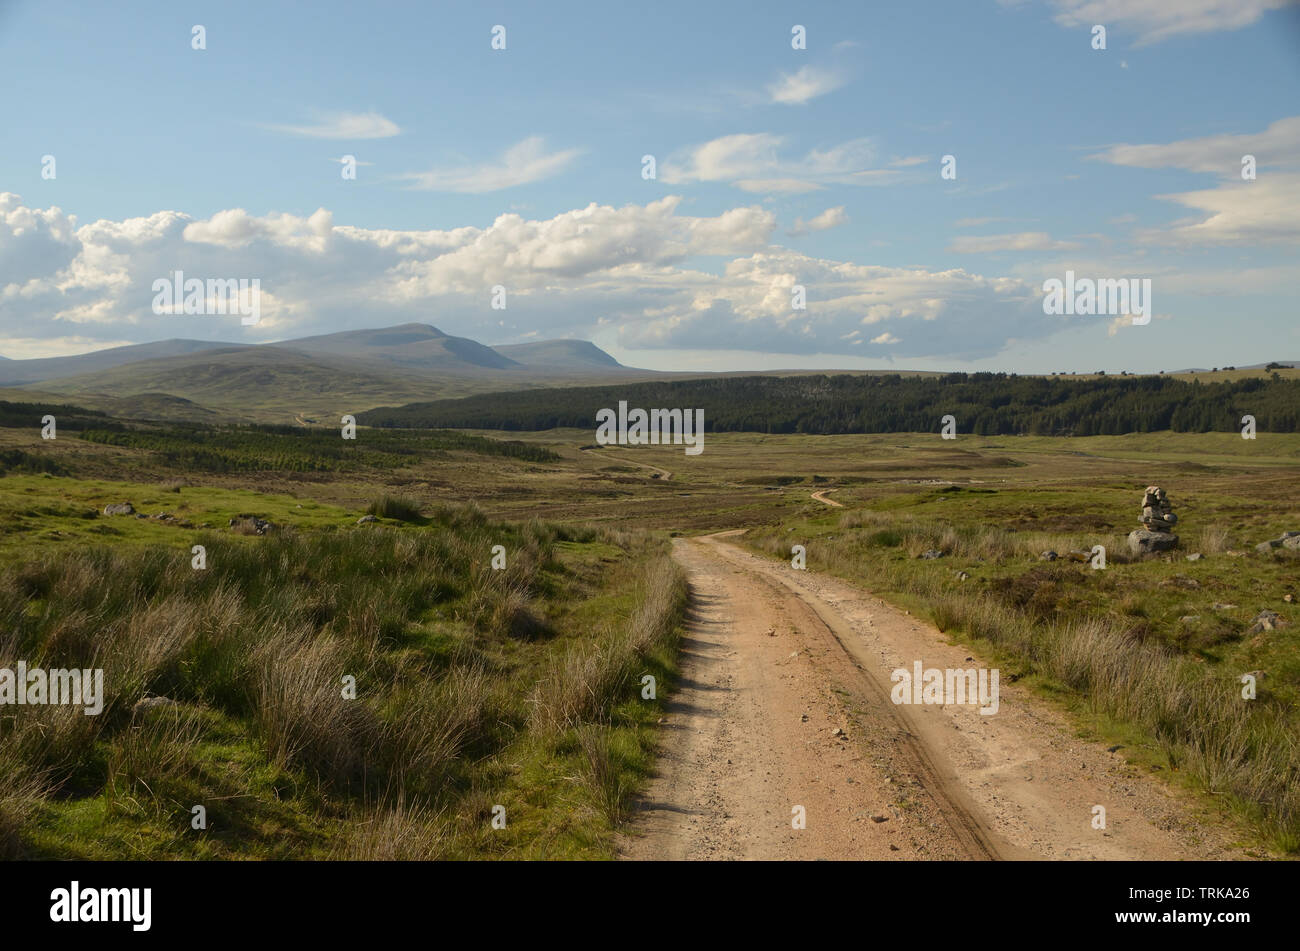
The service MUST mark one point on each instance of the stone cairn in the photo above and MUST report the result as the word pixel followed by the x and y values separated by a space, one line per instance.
pixel 1158 521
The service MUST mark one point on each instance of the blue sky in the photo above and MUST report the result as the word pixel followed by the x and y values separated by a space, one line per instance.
pixel 522 168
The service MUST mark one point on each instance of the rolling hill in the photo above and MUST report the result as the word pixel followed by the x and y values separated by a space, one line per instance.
pixel 418 346
pixel 309 378
pixel 23 372
pixel 566 354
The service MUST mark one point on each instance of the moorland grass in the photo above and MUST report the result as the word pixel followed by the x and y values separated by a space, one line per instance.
pixel 455 695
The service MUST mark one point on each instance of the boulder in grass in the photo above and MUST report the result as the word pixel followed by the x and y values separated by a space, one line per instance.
pixel 1266 621
pixel 147 703
pixel 1144 542
pixel 1289 540
pixel 250 525
pixel 119 508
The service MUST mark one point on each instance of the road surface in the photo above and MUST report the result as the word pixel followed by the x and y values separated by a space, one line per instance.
pixel 776 660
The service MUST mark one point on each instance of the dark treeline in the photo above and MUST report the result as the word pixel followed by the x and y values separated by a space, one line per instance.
pixel 254 448
pixel 29 415
pixel 986 404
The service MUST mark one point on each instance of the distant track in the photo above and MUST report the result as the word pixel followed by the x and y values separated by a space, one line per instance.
pixel 820 496
pixel 664 474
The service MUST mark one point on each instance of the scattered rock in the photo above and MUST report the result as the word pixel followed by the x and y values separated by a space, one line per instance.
pixel 962 576
pixel 365 519
pixel 1289 540
pixel 839 733
pixel 1195 556
pixel 1144 542
pixel 1266 621
pixel 1112 749
pixel 250 525
pixel 145 704
pixel 932 553
pixel 1189 618
pixel 1220 606
pixel 1289 598
pixel 880 818
pixel 1048 556
pixel 119 508
pixel 1078 555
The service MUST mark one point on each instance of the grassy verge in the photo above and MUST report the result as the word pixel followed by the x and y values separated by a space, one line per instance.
pixel 474 688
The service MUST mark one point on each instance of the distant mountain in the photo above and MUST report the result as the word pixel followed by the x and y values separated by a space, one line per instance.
pixel 307 379
pixel 417 346
pixel 19 372
pixel 409 347
pixel 560 354
pixel 247 382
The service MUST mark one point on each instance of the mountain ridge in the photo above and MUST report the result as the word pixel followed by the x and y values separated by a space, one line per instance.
pixel 412 346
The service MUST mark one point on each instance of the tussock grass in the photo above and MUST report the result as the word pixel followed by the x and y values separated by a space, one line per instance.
pixel 395 506
pixel 464 675
pixel 583 683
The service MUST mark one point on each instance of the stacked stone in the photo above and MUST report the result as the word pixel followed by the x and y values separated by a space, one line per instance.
pixel 1158 521
pixel 1157 514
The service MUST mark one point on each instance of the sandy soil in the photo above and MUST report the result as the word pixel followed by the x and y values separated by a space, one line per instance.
pixel 820 496
pixel 776 660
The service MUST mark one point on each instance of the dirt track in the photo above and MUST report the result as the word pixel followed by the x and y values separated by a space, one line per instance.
pixel 775 660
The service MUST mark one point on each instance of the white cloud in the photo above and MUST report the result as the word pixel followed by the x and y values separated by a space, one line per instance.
pixel 345 125
pixel 752 162
pixel 1021 241
pixel 1265 211
pixel 830 218
pixel 1155 20
pixel 1235 211
pixel 627 273
pixel 522 164
pixel 806 83
pixel 1278 145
